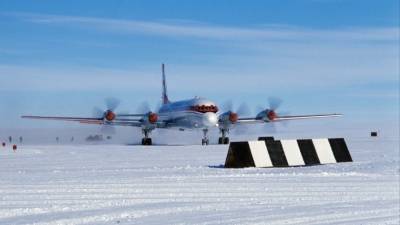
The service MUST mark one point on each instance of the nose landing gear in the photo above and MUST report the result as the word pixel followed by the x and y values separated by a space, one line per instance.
pixel 205 140
pixel 146 140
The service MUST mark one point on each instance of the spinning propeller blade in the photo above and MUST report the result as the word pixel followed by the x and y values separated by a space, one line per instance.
pixel 97 112
pixel 143 108
pixel 274 103
pixel 111 104
pixel 242 110
pixel 227 106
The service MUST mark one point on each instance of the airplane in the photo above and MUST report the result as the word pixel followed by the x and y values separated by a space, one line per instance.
pixel 195 113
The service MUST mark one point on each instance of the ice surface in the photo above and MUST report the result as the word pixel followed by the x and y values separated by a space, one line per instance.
pixel 117 184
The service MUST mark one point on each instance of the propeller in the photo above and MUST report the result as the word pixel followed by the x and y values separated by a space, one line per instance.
pixel 271 113
pixel 108 114
pixel 112 103
pixel 242 110
pixel 274 103
pixel 145 108
pixel 227 106
pixel 269 128
pixel 235 113
pixel 97 112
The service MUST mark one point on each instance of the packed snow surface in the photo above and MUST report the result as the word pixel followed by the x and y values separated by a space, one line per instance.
pixel 117 184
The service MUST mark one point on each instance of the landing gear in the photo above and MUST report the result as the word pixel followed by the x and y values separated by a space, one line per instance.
pixel 205 140
pixel 223 140
pixel 146 140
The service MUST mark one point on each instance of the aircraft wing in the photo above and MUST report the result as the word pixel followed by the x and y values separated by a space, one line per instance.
pixel 286 118
pixel 89 120
pixel 132 122
pixel 64 118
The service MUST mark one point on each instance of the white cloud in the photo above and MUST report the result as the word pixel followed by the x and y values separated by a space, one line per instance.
pixel 272 56
pixel 16 78
pixel 200 30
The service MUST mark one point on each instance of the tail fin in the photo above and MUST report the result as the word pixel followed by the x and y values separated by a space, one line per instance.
pixel 165 99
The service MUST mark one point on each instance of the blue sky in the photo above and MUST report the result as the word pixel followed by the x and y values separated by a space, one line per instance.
pixel 65 57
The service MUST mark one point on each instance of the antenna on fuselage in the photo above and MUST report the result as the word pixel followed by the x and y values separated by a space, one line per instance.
pixel 165 99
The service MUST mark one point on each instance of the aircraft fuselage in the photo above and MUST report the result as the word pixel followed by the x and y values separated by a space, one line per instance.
pixel 190 114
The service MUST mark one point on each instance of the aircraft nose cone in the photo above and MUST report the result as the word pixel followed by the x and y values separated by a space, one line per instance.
pixel 210 119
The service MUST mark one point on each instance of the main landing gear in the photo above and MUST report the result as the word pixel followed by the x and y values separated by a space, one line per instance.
pixel 146 140
pixel 205 140
pixel 223 140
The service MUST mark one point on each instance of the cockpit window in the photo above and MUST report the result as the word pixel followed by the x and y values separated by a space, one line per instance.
pixel 205 108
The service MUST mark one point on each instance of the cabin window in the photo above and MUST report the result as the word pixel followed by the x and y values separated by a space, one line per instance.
pixel 204 108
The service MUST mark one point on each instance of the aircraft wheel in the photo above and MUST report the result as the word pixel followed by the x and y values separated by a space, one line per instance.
pixel 204 142
pixel 226 141
pixel 147 141
pixel 223 141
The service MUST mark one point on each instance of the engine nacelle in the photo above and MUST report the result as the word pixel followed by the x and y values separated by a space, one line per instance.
pixel 271 115
pixel 267 115
pixel 152 117
pixel 233 117
pixel 109 115
pixel 228 117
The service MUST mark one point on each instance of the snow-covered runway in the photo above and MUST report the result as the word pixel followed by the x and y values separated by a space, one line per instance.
pixel 113 184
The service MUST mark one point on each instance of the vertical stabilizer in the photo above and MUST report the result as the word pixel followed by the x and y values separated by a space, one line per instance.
pixel 165 99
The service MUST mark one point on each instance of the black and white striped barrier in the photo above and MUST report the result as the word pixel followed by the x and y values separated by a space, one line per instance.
pixel 285 153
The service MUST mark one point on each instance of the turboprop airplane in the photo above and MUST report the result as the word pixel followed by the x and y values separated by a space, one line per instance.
pixel 195 113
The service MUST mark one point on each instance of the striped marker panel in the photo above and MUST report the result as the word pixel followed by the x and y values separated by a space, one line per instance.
pixel 276 153
pixel 308 152
pixel 292 153
pixel 266 139
pixel 284 153
pixel 340 150
pixel 260 154
pixel 324 151
pixel 239 156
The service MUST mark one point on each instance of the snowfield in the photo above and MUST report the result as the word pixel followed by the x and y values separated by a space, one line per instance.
pixel 117 184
